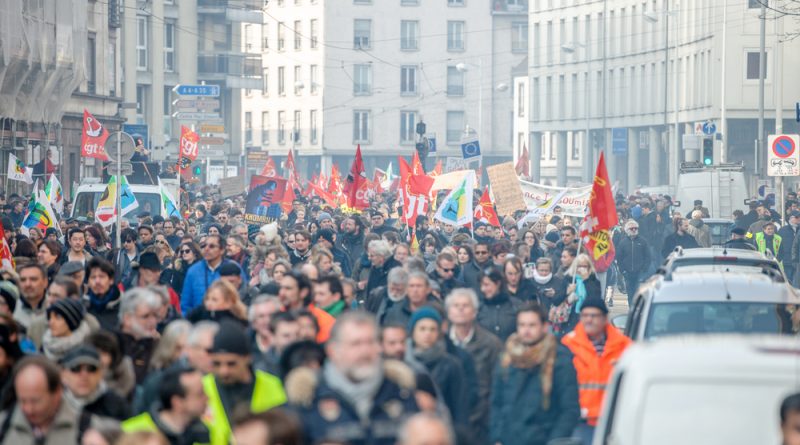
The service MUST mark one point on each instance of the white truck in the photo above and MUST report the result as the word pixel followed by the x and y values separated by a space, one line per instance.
pixel 722 188
pixel 91 190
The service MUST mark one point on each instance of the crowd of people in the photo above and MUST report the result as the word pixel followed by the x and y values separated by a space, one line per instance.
pixel 323 327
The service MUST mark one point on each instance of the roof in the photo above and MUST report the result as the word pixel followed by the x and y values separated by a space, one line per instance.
pixel 713 356
pixel 690 286
pixel 709 252
pixel 717 221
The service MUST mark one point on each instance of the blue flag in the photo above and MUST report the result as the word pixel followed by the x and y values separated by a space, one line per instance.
pixel 471 148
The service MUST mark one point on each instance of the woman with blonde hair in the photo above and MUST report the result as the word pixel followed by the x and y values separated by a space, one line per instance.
pixel 170 345
pixel 582 284
pixel 323 259
pixel 221 302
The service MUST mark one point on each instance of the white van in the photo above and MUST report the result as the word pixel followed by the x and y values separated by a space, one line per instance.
pixel 722 188
pixel 710 390
pixel 91 190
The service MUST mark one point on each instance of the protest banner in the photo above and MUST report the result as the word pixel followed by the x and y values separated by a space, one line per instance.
pixel 230 186
pixel 573 202
pixel 263 200
pixel 454 164
pixel 506 189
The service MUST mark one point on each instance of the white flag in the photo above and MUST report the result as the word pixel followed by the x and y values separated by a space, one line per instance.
pixel 55 194
pixel 17 171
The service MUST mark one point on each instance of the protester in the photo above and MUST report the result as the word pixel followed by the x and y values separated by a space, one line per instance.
pixel 498 310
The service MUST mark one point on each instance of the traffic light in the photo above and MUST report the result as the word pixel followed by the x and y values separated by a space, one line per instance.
pixel 708 151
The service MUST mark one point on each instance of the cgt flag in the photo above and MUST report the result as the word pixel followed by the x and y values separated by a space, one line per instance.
pixel 93 138
pixel 269 169
pixel 355 186
pixel 485 211
pixel 602 214
pixel 189 144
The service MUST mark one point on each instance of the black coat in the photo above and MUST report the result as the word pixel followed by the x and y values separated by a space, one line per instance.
pixel 447 371
pixel 111 405
pixel 499 315
pixel 788 236
pixel 526 291
pixel 140 352
pixel 633 254
pixel 471 275
pixel 378 275
pixel 559 287
pixel 674 240
pixel 446 286
pixel 593 290
pixel 517 415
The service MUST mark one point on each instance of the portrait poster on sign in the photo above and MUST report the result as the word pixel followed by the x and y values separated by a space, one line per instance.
pixel 264 199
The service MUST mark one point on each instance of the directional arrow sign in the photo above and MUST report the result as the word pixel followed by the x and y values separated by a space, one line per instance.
pixel 197 90
pixel 195 116
pixel 207 104
pixel 212 141
pixel 184 103
pixel 208 128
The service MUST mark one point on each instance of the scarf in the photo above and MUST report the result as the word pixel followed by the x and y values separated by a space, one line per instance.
pixel 541 354
pixel 580 292
pixel 359 394
pixel 430 356
pixel 542 279
pixel 79 402
pixel 57 347
pixel 99 303
pixel 335 309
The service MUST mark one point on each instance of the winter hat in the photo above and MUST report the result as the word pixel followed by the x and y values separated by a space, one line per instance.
pixel 270 231
pixel 230 269
pixel 81 355
pixel 326 234
pixel 423 313
pixel 70 310
pixel 322 216
pixel 595 302
pixel 149 261
pixel 10 294
pixel 70 267
pixel 231 339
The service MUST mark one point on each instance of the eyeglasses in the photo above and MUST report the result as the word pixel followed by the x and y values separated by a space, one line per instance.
pixel 445 270
pixel 633 229
pixel 210 246
pixel 185 251
pixel 88 368
pixel 481 252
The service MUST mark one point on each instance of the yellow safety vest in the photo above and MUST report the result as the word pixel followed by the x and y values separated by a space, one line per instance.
pixel 268 393
pixel 143 422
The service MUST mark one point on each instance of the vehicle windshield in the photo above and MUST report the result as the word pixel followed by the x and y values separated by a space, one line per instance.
pixel 720 232
pixel 86 204
pixel 717 317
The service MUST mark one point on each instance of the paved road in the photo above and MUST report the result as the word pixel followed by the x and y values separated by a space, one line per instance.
pixel 620 304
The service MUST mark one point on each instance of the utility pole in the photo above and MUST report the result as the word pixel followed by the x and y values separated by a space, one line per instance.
pixel 762 73
pixel 778 77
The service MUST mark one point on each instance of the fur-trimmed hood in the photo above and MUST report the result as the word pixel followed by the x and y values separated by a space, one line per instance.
pixel 301 384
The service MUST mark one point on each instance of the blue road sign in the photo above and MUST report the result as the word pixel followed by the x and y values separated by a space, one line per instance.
pixel 797 111
pixel 619 141
pixel 471 149
pixel 197 90
pixel 709 128
pixel 431 145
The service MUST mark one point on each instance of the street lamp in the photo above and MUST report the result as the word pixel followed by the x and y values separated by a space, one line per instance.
pixel 570 48
pixel 464 67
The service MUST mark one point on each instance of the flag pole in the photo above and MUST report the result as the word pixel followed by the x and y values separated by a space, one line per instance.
pixel 119 196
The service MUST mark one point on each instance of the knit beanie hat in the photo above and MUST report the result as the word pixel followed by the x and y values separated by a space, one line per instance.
pixel 70 310
pixel 423 313
pixel 595 302
pixel 10 294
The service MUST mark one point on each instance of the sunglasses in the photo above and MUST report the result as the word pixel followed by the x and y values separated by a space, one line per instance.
pixel 480 252
pixel 78 368
pixel 161 242
pixel 185 251
pixel 448 270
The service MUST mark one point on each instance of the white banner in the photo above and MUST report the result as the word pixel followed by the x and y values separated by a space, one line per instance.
pixel 573 202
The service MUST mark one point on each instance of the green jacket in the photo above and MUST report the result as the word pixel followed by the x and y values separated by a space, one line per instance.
pixel 761 243
pixel 268 393
pixel 196 433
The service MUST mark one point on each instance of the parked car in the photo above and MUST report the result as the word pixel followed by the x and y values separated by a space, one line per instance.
pixel 732 259
pixel 710 390
pixel 720 230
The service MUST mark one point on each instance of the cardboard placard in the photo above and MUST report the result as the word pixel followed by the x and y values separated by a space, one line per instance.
pixel 230 186
pixel 506 189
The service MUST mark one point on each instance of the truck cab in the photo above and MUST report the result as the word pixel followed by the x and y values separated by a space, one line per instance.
pixel 90 191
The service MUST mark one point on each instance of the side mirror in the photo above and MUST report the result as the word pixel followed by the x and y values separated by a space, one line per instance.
pixel 620 321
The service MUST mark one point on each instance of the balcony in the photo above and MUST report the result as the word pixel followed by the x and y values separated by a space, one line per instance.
pixel 244 11
pixel 510 7
pixel 236 70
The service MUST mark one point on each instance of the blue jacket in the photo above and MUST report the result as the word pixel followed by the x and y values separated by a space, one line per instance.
pixel 198 279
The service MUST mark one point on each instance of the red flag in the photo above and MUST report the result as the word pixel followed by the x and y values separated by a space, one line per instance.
pixel 602 215
pixel 288 197
pixel 437 170
pixel 420 184
pixel 6 259
pixel 189 143
pixel 292 167
pixel 376 182
pixel 335 182
pixel 93 138
pixel 413 203
pixel 269 169
pixel 523 163
pixel 356 183
pixel 319 191
pixel 416 165
pixel 485 210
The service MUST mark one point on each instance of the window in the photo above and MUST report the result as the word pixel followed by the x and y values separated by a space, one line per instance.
pixel 298 80
pixel 455 2
pixel 264 36
pixel 91 64
pixel 248 127
pixel 312 122
pixel 409 2
pixel 296 126
pixel 408 122
pixel 313 34
pixel 141 43
pixel 455 82
pixel 362 29
pixel 265 128
pixel 265 82
pixel 409 35
pixel 362 2
pixel 312 79
pixel 519 37
pixel 535 100
pixel 169 47
pixel 281 42
pixel 281 81
pixel 408 80
pixel 298 28
pixel 756 4
pixel 141 103
pixel 537 45
pixel 455 126
pixel 362 80
pixel 282 127
pixel 521 99
pixel 361 126
pixel 548 43
pixel 753 68
pixel 455 36
pixel 112 67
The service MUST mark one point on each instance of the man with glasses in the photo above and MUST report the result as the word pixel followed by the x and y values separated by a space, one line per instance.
pixel 596 345
pixel 445 274
pixel 169 233
pixel 222 219
pixel 82 375
pixel 633 258
pixel 233 381
pixel 126 256
pixel 201 274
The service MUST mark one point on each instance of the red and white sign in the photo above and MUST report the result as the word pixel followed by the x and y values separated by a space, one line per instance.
pixel 783 158
pixel 93 138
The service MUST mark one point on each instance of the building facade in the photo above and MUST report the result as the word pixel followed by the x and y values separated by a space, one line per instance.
pixel 365 72
pixel 632 77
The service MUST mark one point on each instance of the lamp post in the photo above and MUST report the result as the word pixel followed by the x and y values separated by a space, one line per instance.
pixel 569 48
pixel 464 67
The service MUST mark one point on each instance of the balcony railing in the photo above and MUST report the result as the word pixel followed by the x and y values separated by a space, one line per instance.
pixel 237 70
pixel 510 6
pixel 245 11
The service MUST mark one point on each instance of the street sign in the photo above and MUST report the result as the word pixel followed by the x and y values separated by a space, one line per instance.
pixel 797 111
pixel 211 128
pixel 197 90
pixel 783 158
pixel 432 145
pixel 212 141
pixel 191 116
pixel 213 152
pixel 196 104
pixel 619 141
pixel 124 169
pixel 692 142
pixel 126 146
pixel 709 128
